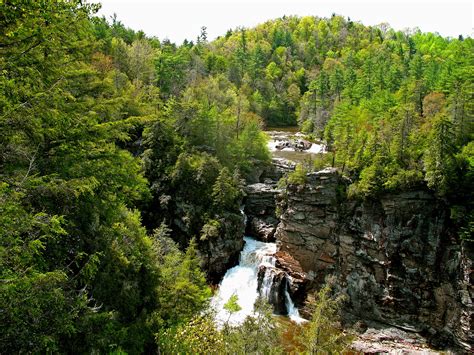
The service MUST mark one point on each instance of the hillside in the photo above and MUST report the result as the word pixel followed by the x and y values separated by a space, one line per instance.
pixel 124 160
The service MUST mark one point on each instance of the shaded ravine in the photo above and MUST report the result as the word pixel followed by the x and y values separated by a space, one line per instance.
pixel 242 280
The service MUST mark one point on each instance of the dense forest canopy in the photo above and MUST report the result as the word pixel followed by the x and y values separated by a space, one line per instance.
pixel 122 155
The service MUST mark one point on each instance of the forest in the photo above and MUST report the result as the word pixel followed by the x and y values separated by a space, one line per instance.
pixel 122 156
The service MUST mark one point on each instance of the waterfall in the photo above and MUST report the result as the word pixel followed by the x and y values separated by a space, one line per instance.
pixel 242 280
pixel 267 282
pixel 292 310
pixel 244 216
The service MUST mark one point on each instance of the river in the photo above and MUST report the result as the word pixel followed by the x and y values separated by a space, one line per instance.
pixel 282 144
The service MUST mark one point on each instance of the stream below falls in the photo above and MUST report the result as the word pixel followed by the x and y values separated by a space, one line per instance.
pixel 242 280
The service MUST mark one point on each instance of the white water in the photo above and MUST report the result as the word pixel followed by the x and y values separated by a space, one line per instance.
pixel 279 137
pixel 293 312
pixel 242 280
pixel 314 149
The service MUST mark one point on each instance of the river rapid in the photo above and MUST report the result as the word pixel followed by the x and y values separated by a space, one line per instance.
pixel 283 143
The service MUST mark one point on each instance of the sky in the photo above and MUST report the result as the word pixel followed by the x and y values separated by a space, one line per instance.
pixel 182 19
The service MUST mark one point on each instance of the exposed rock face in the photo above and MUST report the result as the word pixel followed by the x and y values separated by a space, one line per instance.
pixel 272 284
pixel 222 252
pixel 391 340
pixel 394 256
pixel 297 278
pixel 260 202
pixel 260 211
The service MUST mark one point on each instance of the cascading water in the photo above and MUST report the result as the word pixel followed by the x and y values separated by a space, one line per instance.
pixel 242 280
pixel 293 312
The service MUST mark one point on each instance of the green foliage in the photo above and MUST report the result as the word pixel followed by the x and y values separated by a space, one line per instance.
pixel 183 291
pixel 211 230
pixel 462 212
pixel 258 334
pixel 232 305
pixel 203 136
pixel 439 157
pixel 199 336
pixel 79 272
pixel 307 126
pixel 322 161
pixel 298 176
pixel 322 335
pixel 38 311
pixel 227 191
pixel 403 180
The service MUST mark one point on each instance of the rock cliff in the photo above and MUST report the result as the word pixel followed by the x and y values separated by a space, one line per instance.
pixel 260 201
pixel 221 252
pixel 393 256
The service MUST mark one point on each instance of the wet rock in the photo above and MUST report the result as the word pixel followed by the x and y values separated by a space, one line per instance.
pixel 297 278
pixel 262 228
pixel 302 144
pixel 283 145
pixel 272 284
pixel 294 144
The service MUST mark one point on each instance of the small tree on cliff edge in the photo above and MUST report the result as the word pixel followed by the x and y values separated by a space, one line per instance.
pixel 322 334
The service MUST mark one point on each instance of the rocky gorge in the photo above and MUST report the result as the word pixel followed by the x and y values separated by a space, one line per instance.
pixel 394 256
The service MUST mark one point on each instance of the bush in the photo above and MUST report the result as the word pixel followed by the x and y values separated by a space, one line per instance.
pixel 199 336
pixel 322 161
pixel 403 180
pixel 323 334
pixel 307 126
pixel 258 334
pixel 297 177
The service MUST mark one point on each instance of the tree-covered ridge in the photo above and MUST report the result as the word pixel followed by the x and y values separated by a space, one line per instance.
pixel 375 95
pixel 395 108
pixel 78 270
pixel 115 148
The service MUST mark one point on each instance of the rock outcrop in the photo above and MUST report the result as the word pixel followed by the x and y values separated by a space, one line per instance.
pixel 296 277
pixel 390 340
pixel 260 201
pixel 260 211
pixel 393 256
pixel 222 252
pixel 272 284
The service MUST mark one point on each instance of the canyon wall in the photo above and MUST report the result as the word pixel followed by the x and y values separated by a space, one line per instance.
pixel 221 252
pixel 395 257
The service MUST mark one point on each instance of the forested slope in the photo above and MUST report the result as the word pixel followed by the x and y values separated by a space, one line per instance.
pixel 114 144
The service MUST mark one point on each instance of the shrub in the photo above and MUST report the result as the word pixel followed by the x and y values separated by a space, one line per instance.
pixel 323 334
pixel 297 177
